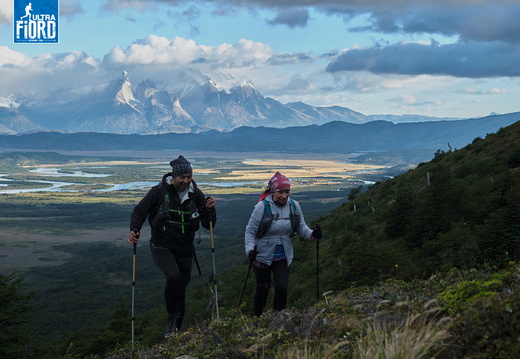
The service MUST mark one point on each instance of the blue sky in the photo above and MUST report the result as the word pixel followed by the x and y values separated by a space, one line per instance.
pixel 443 58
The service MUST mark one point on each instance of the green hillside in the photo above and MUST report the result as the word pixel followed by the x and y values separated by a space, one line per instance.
pixel 460 210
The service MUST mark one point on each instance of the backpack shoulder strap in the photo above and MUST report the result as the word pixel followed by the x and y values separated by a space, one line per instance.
pixel 295 218
pixel 162 196
pixel 267 207
pixel 266 221
pixel 293 207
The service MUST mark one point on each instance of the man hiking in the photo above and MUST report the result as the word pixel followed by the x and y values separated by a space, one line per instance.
pixel 175 208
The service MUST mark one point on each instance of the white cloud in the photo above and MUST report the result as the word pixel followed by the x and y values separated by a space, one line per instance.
pixel 179 52
pixel 408 99
pixel 474 91
pixel 40 76
pixel 13 59
pixel 154 57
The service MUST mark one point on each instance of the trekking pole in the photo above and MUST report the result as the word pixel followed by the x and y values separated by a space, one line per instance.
pixel 247 276
pixel 133 296
pixel 214 270
pixel 133 293
pixel 317 267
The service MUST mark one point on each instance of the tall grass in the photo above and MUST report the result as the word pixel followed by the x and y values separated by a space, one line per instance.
pixel 416 338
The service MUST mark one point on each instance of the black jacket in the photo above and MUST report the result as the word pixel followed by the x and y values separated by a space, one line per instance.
pixel 173 223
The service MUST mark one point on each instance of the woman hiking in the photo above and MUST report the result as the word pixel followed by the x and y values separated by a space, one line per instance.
pixel 268 241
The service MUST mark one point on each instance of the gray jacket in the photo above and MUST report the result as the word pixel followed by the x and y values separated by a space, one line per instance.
pixel 279 231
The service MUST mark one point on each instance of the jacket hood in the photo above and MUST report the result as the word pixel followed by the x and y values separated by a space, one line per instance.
pixel 167 178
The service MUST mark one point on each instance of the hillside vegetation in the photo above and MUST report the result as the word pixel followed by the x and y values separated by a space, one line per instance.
pixel 440 241
pixel 460 210
pixel 421 265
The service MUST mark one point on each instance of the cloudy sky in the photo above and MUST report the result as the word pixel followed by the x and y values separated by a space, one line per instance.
pixel 443 58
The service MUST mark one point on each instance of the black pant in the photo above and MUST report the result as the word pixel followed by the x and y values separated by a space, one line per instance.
pixel 281 273
pixel 177 271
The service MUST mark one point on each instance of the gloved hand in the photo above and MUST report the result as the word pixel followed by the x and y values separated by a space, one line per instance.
pixel 317 233
pixel 252 254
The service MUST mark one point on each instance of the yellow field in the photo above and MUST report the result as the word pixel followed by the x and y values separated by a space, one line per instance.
pixel 295 169
pixel 292 166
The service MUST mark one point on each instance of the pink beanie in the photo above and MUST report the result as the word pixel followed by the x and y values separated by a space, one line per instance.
pixel 279 182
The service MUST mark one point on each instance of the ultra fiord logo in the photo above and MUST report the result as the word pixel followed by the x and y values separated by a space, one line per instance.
pixel 36 21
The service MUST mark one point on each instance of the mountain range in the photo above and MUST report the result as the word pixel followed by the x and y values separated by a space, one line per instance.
pixel 331 137
pixel 190 103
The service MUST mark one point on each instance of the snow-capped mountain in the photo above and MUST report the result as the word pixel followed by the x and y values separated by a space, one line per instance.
pixel 190 102
pixel 12 121
pixel 163 110
pixel 113 110
pixel 241 105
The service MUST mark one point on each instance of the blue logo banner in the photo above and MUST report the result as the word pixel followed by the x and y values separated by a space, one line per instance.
pixel 36 21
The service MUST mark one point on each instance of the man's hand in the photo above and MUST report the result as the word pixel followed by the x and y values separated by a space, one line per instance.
pixel 133 237
pixel 210 202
